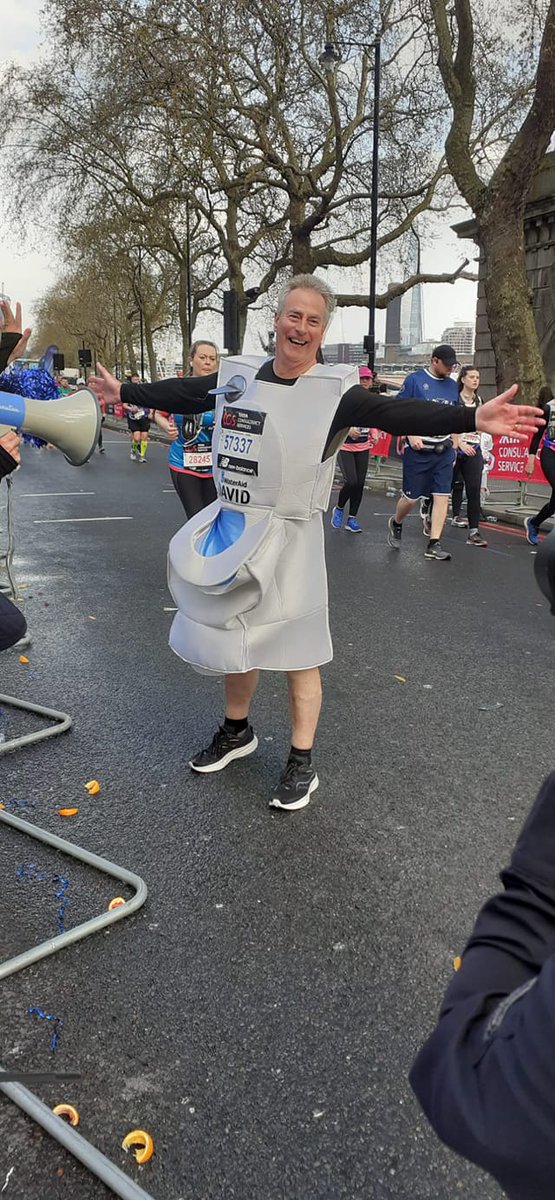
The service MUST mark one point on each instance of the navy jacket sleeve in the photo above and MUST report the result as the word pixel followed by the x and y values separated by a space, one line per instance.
pixel 486 1076
pixel 173 395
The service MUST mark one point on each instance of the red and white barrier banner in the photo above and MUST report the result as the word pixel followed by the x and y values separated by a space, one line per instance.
pixel 381 448
pixel 507 460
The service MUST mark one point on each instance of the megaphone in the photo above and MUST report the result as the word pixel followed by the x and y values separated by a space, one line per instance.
pixel 71 423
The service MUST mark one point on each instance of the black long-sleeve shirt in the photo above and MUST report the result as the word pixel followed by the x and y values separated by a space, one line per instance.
pixel 357 406
pixel 537 437
pixel 486 1076
pixel 8 341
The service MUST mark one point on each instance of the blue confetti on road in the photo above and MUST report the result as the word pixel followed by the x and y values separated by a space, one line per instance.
pixel 57 1027
pixel 30 871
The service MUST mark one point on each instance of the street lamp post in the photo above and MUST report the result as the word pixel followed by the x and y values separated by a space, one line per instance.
pixel 141 322
pixel 370 340
pixel 188 269
pixel 329 60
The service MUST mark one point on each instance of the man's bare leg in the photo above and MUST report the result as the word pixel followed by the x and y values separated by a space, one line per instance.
pixel 305 702
pixel 404 507
pixel 439 516
pixel 235 738
pixel 239 691
pixel 395 524
pixel 299 778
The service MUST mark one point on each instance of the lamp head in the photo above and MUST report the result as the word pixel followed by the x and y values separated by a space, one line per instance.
pixel 329 58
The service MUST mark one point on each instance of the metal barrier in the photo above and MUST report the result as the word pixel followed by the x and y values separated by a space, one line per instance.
pixel 119 1183
pixel 7 555
pixel 97 1163
pixel 64 722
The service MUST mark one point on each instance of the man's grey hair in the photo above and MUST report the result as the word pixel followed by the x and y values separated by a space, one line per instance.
pixel 315 285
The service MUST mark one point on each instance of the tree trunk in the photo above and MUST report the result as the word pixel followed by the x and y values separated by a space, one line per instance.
pixel 301 252
pixel 131 356
pixel 151 353
pixel 184 316
pixel 509 299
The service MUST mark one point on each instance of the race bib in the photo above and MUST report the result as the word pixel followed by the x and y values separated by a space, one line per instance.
pixel 240 441
pixel 201 459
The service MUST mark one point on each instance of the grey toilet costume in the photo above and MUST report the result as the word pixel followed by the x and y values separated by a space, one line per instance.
pixel 248 573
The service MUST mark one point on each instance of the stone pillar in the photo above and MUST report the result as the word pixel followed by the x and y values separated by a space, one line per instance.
pixel 539 227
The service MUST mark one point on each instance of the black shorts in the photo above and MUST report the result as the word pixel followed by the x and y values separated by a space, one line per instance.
pixel 140 426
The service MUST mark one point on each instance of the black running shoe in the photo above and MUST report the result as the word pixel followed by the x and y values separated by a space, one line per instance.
pixel 434 551
pixel 394 534
pixel 297 783
pixel 223 748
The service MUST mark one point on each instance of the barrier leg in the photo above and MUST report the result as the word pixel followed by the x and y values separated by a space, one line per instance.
pixel 64 722
pixel 92 926
pixel 112 1176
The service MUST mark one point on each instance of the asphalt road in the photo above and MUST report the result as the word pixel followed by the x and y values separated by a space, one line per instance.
pixel 260 1014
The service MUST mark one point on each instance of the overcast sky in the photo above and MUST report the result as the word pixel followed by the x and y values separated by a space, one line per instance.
pixel 28 265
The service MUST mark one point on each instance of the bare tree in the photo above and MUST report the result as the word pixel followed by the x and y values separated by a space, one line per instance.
pixel 498 198
pixel 271 154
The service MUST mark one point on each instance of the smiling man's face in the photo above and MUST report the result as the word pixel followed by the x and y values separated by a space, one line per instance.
pixel 300 329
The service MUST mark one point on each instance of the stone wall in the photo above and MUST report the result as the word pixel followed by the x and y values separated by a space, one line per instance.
pixel 539 226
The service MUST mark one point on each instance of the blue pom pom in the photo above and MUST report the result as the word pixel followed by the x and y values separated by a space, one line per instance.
pixel 33 383
pixel 30 382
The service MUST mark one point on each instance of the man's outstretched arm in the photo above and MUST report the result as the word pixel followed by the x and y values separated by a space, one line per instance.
pixel 171 395
pixel 498 416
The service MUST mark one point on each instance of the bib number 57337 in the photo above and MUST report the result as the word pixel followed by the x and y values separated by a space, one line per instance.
pixel 236 443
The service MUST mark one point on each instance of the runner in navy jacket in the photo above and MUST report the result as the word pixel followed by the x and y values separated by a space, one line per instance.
pixel 486 1076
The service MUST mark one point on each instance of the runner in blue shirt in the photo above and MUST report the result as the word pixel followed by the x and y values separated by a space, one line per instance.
pixel 190 456
pixel 428 461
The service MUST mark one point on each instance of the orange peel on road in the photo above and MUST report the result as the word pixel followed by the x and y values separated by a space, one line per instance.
pixel 115 903
pixel 67 1110
pixel 93 787
pixel 142 1139
pixel 67 812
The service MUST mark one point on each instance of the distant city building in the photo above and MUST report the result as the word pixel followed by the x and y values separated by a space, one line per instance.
pixel 393 324
pixel 461 337
pixel 345 352
pixel 411 302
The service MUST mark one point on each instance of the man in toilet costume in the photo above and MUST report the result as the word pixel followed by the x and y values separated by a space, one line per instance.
pixel 248 573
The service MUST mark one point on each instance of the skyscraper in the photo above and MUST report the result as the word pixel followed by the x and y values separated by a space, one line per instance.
pixel 411 302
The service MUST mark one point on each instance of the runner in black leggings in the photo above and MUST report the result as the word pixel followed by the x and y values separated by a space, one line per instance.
pixel 353 461
pixel 469 463
pixel 547 402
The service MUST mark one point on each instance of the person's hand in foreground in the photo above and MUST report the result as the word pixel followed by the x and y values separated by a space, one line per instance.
pixel 500 416
pixel 105 385
pixel 12 324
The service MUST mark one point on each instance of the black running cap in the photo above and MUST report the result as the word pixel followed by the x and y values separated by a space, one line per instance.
pixel 446 353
